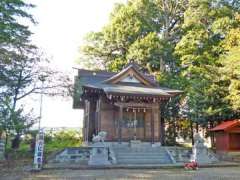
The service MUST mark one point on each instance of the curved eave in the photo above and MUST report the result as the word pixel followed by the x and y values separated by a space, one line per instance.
pixel 127 91
pixel 177 93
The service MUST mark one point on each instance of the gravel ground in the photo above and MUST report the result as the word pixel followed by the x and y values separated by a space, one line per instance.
pixel 228 173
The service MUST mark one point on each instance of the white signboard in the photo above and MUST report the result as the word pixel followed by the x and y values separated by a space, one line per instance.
pixel 38 155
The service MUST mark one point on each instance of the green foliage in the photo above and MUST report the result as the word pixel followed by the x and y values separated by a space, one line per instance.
pixel 14 35
pixel 141 30
pixel 171 134
pixel 230 65
pixel 206 24
pixel 15 51
pixel 23 152
pixel 177 128
pixel 231 71
pixel 147 51
pixel 189 45
pixel 55 141
pixel 14 122
pixel 21 69
pixel 184 126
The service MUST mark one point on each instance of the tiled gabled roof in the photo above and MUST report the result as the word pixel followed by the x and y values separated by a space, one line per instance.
pixel 112 83
pixel 226 125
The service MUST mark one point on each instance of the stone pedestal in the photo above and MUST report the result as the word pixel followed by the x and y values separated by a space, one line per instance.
pixel 200 153
pixel 99 155
pixel 156 144
pixel 135 144
pixel 2 150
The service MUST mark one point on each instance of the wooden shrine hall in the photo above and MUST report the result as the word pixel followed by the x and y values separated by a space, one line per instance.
pixel 227 136
pixel 125 104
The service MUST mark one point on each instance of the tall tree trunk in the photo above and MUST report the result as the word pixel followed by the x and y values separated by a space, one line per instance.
pixel 6 141
pixel 197 128
pixel 211 134
pixel 162 65
pixel 16 142
pixel 191 126
pixel 16 93
pixel 174 130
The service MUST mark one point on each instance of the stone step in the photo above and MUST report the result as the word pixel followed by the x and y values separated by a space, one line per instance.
pixel 141 153
pixel 139 149
pixel 136 151
pixel 144 161
pixel 141 157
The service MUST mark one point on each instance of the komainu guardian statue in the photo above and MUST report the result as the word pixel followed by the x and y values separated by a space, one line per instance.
pixel 100 137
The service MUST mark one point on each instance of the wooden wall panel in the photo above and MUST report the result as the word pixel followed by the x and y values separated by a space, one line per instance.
pixel 234 141
pixel 156 116
pixel 148 125
pixel 107 120
pixel 222 141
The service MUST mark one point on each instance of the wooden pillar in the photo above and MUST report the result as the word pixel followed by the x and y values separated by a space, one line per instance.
pixel 96 117
pixel 92 118
pixel 162 130
pixel 87 120
pixel 99 107
pixel 84 124
pixel 120 124
pixel 135 127
pixel 152 126
pixel 162 124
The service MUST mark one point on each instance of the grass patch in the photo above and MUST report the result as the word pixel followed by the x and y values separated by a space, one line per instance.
pixel 54 141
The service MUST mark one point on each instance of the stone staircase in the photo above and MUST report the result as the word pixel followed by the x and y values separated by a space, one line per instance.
pixel 142 155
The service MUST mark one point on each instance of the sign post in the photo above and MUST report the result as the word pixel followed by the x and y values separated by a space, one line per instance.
pixel 38 154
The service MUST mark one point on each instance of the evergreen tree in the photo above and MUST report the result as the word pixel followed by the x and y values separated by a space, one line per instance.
pixel 230 65
pixel 206 24
pixel 145 31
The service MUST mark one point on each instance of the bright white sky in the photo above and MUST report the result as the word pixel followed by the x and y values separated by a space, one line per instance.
pixel 62 25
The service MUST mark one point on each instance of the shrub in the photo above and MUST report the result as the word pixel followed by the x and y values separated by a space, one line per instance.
pixel 61 139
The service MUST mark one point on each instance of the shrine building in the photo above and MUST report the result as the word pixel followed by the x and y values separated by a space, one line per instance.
pixel 227 136
pixel 125 104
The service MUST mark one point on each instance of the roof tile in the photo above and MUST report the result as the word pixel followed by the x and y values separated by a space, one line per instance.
pixel 226 125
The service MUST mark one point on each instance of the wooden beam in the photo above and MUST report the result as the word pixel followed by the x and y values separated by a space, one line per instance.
pixel 133 104
pixel 136 97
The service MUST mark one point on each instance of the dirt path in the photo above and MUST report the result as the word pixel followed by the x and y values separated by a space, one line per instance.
pixel 229 173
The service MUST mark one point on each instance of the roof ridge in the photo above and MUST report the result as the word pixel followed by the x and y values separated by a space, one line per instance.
pixel 133 66
pixel 226 125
